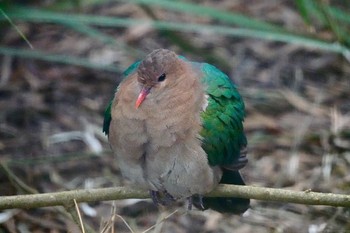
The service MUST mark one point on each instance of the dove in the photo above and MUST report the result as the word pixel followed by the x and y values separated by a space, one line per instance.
pixel 176 129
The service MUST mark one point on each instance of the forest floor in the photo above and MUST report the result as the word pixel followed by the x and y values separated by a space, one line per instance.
pixel 297 124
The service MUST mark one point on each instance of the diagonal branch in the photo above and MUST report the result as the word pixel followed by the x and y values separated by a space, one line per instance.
pixel 117 193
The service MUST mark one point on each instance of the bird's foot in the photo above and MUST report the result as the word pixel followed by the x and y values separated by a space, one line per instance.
pixel 163 198
pixel 168 197
pixel 198 203
pixel 155 197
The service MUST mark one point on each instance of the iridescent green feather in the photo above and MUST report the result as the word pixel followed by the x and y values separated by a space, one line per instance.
pixel 223 136
pixel 107 118
pixel 222 131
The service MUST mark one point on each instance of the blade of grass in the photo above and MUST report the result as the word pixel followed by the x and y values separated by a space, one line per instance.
pixel 182 42
pixel 64 59
pixel 302 6
pixel 32 15
pixel 71 5
pixel 16 28
pixel 309 10
pixel 104 38
pixel 200 10
pixel 340 14
pixel 337 25
pixel 42 16
pixel 332 23
pixel 326 15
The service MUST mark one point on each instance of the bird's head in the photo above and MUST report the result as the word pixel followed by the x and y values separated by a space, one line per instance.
pixel 156 71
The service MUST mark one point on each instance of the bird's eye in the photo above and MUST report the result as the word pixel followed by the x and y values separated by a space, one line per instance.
pixel 162 77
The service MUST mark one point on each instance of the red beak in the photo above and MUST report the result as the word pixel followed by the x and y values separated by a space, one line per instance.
pixel 142 96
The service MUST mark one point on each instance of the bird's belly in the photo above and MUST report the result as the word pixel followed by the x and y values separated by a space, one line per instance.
pixel 160 160
pixel 127 139
pixel 181 171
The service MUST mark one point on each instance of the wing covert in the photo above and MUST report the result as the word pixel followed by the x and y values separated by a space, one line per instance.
pixel 222 120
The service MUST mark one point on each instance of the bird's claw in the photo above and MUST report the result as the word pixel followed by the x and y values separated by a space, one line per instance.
pixel 155 197
pixel 168 197
pixel 164 199
pixel 198 204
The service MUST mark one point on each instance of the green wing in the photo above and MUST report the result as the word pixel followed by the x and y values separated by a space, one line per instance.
pixel 222 131
pixel 223 136
pixel 107 115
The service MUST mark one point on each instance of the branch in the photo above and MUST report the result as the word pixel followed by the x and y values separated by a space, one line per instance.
pixel 117 193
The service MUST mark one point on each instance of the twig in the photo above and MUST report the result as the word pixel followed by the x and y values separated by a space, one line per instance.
pixel 109 225
pixel 75 216
pixel 117 193
pixel 125 222
pixel 161 220
pixel 16 180
pixel 24 187
pixel 79 216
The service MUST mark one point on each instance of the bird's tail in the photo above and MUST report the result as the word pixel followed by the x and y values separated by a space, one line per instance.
pixel 231 205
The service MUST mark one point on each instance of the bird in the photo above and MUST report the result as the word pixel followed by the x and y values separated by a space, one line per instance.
pixel 176 129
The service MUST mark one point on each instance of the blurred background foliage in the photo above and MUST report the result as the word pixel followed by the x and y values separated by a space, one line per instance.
pixel 327 26
pixel 61 61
